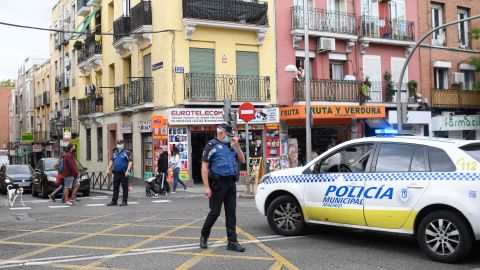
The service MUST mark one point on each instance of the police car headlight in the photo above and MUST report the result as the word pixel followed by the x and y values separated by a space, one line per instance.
pixel 84 177
pixel 51 178
pixel 265 178
pixel 8 180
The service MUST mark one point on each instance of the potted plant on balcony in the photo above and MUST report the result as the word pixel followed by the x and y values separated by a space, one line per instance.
pixel 78 45
pixel 365 89
pixel 387 76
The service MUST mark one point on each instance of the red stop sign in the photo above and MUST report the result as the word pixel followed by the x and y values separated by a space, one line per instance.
pixel 246 112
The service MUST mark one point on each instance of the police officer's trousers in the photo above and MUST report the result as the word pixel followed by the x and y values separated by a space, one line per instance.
pixel 120 178
pixel 225 193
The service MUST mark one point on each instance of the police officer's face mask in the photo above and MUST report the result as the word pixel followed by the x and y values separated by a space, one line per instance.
pixel 119 147
pixel 227 139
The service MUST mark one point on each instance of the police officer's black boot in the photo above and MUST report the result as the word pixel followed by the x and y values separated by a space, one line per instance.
pixel 235 246
pixel 203 242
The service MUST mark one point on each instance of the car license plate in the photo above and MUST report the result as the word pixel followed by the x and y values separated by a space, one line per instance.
pixel 23 184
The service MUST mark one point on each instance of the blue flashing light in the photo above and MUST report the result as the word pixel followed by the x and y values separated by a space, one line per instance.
pixel 386 132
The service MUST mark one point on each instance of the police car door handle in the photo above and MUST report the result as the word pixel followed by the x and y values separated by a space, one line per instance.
pixel 415 186
pixel 355 184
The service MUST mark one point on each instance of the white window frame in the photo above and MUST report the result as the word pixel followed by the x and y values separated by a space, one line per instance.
pixel 437 77
pixel 333 7
pixel 397 4
pixel 126 8
pixel 468 85
pixel 371 6
pixel 437 36
pixel 299 3
pixel 339 65
pixel 464 12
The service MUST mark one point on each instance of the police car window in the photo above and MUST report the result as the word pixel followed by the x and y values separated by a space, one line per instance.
pixel 350 159
pixel 473 150
pixel 394 157
pixel 440 161
pixel 418 161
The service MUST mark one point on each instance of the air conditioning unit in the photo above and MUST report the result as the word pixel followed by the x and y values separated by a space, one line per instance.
pixel 325 44
pixel 458 78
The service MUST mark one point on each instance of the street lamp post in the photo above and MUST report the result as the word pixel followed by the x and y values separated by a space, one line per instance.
pixel 308 120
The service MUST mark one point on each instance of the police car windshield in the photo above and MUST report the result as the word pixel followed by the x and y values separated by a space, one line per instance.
pixel 473 150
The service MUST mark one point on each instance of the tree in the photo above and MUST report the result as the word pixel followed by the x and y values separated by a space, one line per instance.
pixel 7 83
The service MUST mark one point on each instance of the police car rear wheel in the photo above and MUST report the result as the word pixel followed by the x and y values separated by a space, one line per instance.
pixel 285 216
pixel 445 237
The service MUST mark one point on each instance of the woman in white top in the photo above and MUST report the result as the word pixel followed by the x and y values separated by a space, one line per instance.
pixel 176 165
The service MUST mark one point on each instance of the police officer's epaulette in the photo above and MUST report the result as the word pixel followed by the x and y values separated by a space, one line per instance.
pixel 213 142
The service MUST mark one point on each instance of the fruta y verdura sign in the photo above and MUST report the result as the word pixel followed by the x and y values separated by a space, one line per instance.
pixel 332 111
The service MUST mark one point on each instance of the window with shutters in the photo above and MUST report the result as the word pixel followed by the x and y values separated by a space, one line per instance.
pixel 437 20
pixel 202 74
pixel 462 28
pixel 247 76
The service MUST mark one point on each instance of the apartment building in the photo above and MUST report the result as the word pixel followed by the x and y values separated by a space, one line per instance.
pixel 5 93
pixel 451 83
pixel 350 42
pixel 175 61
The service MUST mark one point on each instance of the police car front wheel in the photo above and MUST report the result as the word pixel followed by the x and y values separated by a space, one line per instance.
pixel 285 216
pixel 445 237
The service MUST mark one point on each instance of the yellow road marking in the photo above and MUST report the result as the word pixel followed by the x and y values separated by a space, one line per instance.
pixel 144 242
pixel 71 241
pixel 201 254
pixel 54 227
pixel 57 245
pixel 73 266
pixel 275 255
pixel 198 257
pixel 276 266
pixel 129 235
pixel 139 225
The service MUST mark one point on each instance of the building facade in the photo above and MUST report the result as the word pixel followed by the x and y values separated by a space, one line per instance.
pixel 136 65
pixel 452 83
pixel 350 43
pixel 5 93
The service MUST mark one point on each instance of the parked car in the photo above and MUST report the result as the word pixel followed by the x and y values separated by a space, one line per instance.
pixel 425 187
pixel 17 176
pixel 45 176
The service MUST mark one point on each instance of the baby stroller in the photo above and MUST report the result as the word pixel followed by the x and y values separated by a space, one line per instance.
pixel 157 186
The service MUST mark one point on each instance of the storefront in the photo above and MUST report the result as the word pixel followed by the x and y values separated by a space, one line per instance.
pixel 191 129
pixel 453 126
pixel 417 123
pixel 145 128
pixel 331 125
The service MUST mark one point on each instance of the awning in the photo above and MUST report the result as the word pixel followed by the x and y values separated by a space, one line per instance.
pixel 466 66
pixel 86 22
pixel 377 123
pixel 442 64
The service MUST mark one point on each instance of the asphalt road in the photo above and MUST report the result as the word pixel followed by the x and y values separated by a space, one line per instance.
pixel 163 234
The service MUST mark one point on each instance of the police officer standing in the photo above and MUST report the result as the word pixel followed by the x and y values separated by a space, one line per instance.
pixel 122 164
pixel 219 174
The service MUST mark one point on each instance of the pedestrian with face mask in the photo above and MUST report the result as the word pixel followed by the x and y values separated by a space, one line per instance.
pixel 71 175
pixel 122 163
pixel 219 173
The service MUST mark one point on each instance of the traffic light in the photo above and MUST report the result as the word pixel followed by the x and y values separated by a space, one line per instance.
pixel 229 115
pixel 233 119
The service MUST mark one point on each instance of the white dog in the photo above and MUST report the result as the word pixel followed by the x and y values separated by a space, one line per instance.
pixel 13 194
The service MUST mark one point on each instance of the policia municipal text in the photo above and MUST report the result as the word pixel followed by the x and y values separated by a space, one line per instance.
pixel 219 174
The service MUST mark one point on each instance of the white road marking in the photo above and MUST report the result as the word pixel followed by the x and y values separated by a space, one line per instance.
pixel 102 198
pixel 20 208
pixel 94 197
pixel 37 201
pixel 269 236
pixel 133 203
pixel 161 201
pixel 58 206
pixel 166 249
pixel 95 204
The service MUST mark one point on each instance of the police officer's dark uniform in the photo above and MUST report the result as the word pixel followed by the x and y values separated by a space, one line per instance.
pixel 223 173
pixel 120 159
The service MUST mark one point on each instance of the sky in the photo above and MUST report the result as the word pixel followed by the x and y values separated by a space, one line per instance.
pixel 17 44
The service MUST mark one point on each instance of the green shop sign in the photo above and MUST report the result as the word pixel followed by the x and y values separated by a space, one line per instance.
pixel 27 137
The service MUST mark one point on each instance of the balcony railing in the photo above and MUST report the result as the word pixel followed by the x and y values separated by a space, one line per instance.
pixel 121 28
pixel 328 90
pixel 81 4
pixel 324 20
pixel 227 10
pixel 41 136
pixel 217 87
pixel 73 123
pixel 62 83
pixel 455 99
pixel 379 93
pixel 90 104
pixel 141 14
pixel 90 48
pixel 46 98
pixel 138 92
pixel 374 27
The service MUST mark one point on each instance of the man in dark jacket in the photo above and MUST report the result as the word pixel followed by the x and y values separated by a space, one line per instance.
pixel 71 175
pixel 162 169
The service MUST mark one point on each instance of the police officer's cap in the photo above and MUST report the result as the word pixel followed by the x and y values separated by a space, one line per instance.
pixel 227 128
pixel 120 141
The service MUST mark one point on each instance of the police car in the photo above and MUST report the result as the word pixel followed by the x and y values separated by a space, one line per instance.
pixel 425 187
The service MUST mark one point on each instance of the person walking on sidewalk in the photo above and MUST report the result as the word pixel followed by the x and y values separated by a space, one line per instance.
pixel 71 175
pixel 176 166
pixel 219 174
pixel 59 180
pixel 122 164
pixel 162 171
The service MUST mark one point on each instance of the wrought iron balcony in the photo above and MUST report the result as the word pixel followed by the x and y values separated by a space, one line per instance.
pixel 121 28
pixel 217 87
pixel 82 8
pixel 90 48
pixel 138 92
pixel 324 20
pixel 462 99
pixel 141 15
pixel 62 83
pixel 41 136
pixel 227 10
pixel 328 90
pixel 46 98
pixel 384 28
pixel 384 93
pixel 71 122
pixel 91 104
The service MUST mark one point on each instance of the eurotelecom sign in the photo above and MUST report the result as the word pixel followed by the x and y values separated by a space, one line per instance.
pixel 330 111
pixel 456 122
